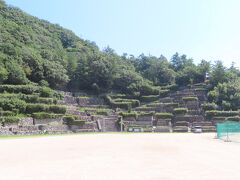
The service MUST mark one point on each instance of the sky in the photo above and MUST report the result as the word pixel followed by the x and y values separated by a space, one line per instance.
pixel 201 29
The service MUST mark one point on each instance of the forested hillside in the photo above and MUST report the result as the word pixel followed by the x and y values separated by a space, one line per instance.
pixel 34 51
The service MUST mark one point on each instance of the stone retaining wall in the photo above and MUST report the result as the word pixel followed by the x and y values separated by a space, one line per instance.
pixel 162 129
pixel 90 101
pixel 26 121
pixel 4 131
pixel 129 119
pixel 53 128
pixel 143 123
pixel 85 118
pixel 145 118
pixel 28 132
pixel 47 121
pixel 11 125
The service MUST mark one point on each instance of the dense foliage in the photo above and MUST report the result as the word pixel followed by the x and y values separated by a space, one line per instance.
pixel 35 52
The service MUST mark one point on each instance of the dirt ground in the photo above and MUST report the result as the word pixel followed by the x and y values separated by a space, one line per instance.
pixel 120 156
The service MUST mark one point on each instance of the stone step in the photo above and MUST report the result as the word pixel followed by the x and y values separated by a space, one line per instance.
pixel 58 132
pixel 53 128
pixel 83 130
pixel 28 132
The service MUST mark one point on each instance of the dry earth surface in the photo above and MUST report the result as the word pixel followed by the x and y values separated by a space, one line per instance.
pixel 119 156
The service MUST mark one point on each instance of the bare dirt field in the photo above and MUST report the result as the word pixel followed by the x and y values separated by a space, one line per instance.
pixel 119 156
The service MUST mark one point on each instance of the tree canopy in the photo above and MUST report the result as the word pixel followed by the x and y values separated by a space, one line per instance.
pixel 37 52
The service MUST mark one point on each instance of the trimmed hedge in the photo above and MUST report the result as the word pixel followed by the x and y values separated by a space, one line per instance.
pixel 219 118
pixel 33 108
pixel 74 121
pixel 58 109
pixel 234 118
pixel 46 92
pixel 25 89
pixel 149 90
pixel 163 93
pixel 13 103
pixel 121 96
pixel 134 102
pixel 132 114
pixel 180 110
pixel 200 84
pixel 45 100
pixel 172 87
pixel 209 106
pixel 113 104
pixel 25 97
pixel 171 104
pixel 164 115
pixel 189 99
pixel 10 119
pixel 123 105
pixel 7 113
pixel 164 120
pixel 149 98
pixel 99 112
pixel 200 90
pixel 150 113
pixel 44 115
pixel 69 118
pixel 211 114
pixel 178 122
pixel 29 98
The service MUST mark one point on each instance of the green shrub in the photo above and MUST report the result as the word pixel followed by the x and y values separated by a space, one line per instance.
pixel 32 108
pixel 163 93
pixel 100 112
pixel 134 102
pixel 132 114
pixel 149 90
pixel 200 84
pixel 181 122
pixel 164 115
pixel 209 106
pixel 200 90
pixel 214 113
pixel 25 89
pixel 73 120
pixel 7 113
pixel 150 113
pixel 156 103
pixel 69 118
pixel 46 92
pixel 189 99
pixel 16 111
pixel 45 100
pixel 219 118
pixel 171 104
pixel 234 118
pixel 164 120
pixel 55 100
pixel 58 109
pixel 119 96
pixel 123 105
pixel 180 110
pixel 29 98
pixel 172 87
pixel 149 98
pixel 44 115
pixel 58 95
pixel 10 119
pixel 13 103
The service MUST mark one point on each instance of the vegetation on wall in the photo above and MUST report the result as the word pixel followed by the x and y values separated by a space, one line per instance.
pixel 36 56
